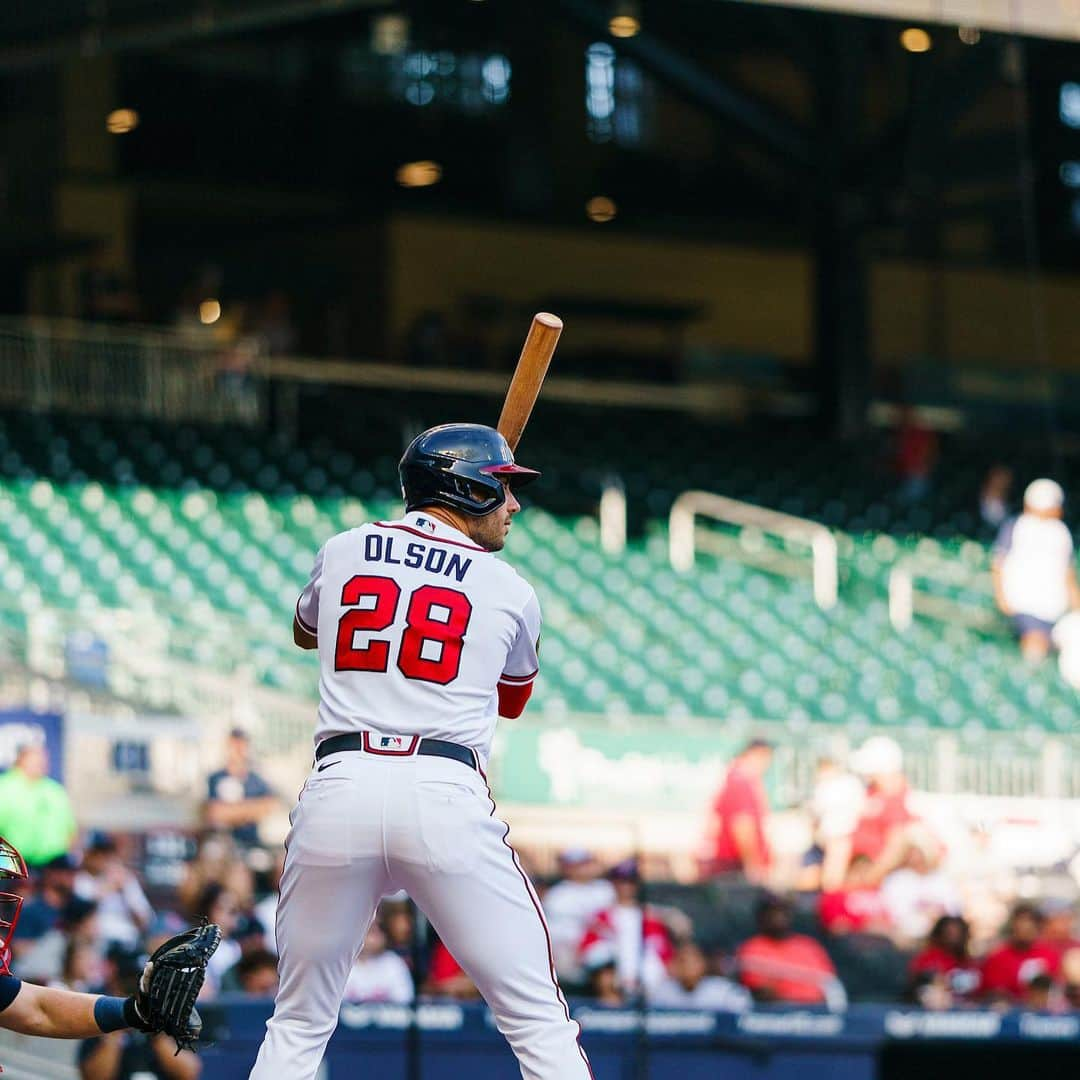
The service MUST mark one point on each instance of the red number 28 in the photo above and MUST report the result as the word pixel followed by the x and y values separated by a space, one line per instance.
pixel 435 624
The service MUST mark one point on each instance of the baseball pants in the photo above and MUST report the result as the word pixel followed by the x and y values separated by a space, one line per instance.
pixel 366 827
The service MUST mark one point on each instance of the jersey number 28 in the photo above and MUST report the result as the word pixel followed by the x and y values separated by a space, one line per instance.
pixel 436 618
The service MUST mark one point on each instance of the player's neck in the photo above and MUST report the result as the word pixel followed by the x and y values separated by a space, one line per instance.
pixel 449 517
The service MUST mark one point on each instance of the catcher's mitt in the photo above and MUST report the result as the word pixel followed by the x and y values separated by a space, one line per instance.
pixel 171 981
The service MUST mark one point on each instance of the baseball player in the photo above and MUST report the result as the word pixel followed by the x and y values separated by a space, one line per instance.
pixel 424 638
pixel 63 1014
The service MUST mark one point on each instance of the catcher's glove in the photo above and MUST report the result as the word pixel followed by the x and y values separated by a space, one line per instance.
pixel 170 983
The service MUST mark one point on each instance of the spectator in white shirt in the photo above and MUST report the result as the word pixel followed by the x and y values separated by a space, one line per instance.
pixel 124 913
pixel 1033 572
pixel 690 986
pixel 917 894
pixel 570 907
pixel 378 974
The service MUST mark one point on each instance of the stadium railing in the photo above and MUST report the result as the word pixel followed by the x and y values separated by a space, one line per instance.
pixel 753 523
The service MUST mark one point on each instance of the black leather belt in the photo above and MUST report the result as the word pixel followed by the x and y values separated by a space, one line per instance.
pixel 372 744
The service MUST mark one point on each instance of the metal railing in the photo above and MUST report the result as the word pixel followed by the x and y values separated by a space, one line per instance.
pixel 971 604
pixel 753 523
pixel 68 366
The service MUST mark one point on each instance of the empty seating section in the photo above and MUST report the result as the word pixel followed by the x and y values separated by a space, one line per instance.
pixel 212 532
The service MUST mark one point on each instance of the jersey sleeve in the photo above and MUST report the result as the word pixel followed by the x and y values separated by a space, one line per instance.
pixel 307 606
pixel 522 663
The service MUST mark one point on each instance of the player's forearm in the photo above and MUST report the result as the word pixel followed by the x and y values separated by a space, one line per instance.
pixel 245 812
pixel 52 1013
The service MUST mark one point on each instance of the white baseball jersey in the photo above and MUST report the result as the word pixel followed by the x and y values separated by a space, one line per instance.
pixel 417 626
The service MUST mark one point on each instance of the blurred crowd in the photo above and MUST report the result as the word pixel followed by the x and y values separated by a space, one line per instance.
pixel 874 875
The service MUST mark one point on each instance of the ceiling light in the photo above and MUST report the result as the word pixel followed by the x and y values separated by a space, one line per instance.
pixel 419 173
pixel 389 34
pixel 121 121
pixel 625 19
pixel 969 35
pixel 209 311
pixel 601 209
pixel 915 39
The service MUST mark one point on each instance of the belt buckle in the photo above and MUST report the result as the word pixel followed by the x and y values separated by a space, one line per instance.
pixel 391 745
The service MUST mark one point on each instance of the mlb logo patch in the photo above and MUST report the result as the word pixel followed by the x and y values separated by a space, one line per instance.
pixel 425 523
pixel 391 742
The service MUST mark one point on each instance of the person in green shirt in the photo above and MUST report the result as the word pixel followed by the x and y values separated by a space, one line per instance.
pixel 35 811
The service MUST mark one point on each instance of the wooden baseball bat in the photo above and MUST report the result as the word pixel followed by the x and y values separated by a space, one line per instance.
pixel 529 375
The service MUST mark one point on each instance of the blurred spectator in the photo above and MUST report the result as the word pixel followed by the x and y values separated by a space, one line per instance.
pixel 43 910
pixel 602 981
pixel 1065 637
pixel 378 974
pixel 266 909
pixel 1007 969
pixel 82 970
pixel 446 978
pixel 777 964
pixel 737 829
pixel 631 932
pixel 218 861
pixel 570 906
pixel 857 906
pixel 918 893
pixel 1059 927
pixel 915 455
pixel 129 1054
pixel 219 905
pixel 123 910
pixel 689 985
pixel 1033 574
pixel 835 805
pixel 255 974
pixel 397 921
pixel 994 496
pixel 1039 994
pixel 238 798
pixel 880 833
pixel 947 958
pixel 43 961
pixel 35 811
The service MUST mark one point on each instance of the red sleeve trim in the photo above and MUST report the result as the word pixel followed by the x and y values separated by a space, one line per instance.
pixel 302 623
pixel 517 679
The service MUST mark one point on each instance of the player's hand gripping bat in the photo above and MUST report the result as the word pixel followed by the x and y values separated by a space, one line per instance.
pixel 529 375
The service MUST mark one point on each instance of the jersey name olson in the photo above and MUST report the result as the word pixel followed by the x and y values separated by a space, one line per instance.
pixel 416 556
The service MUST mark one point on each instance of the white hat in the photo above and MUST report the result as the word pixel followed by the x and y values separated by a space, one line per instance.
pixel 1044 495
pixel 877 756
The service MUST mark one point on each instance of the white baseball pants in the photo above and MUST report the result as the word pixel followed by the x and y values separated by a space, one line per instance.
pixel 366 827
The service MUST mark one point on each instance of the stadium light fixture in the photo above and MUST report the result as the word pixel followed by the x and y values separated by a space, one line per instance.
pixel 916 40
pixel 601 209
pixel 121 121
pixel 419 174
pixel 389 33
pixel 209 311
pixel 625 21
pixel 969 35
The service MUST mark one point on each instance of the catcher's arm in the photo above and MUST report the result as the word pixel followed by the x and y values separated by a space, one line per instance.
pixel 52 1013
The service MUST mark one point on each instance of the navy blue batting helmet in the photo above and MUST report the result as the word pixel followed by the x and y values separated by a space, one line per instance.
pixel 460 466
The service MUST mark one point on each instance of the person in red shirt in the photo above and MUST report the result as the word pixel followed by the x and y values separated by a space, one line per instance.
pixel 856 907
pixel 881 831
pixel 1008 969
pixel 739 843
pixel 947 957
pixel 779 965
pixel 1059 927
pixel 446 979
